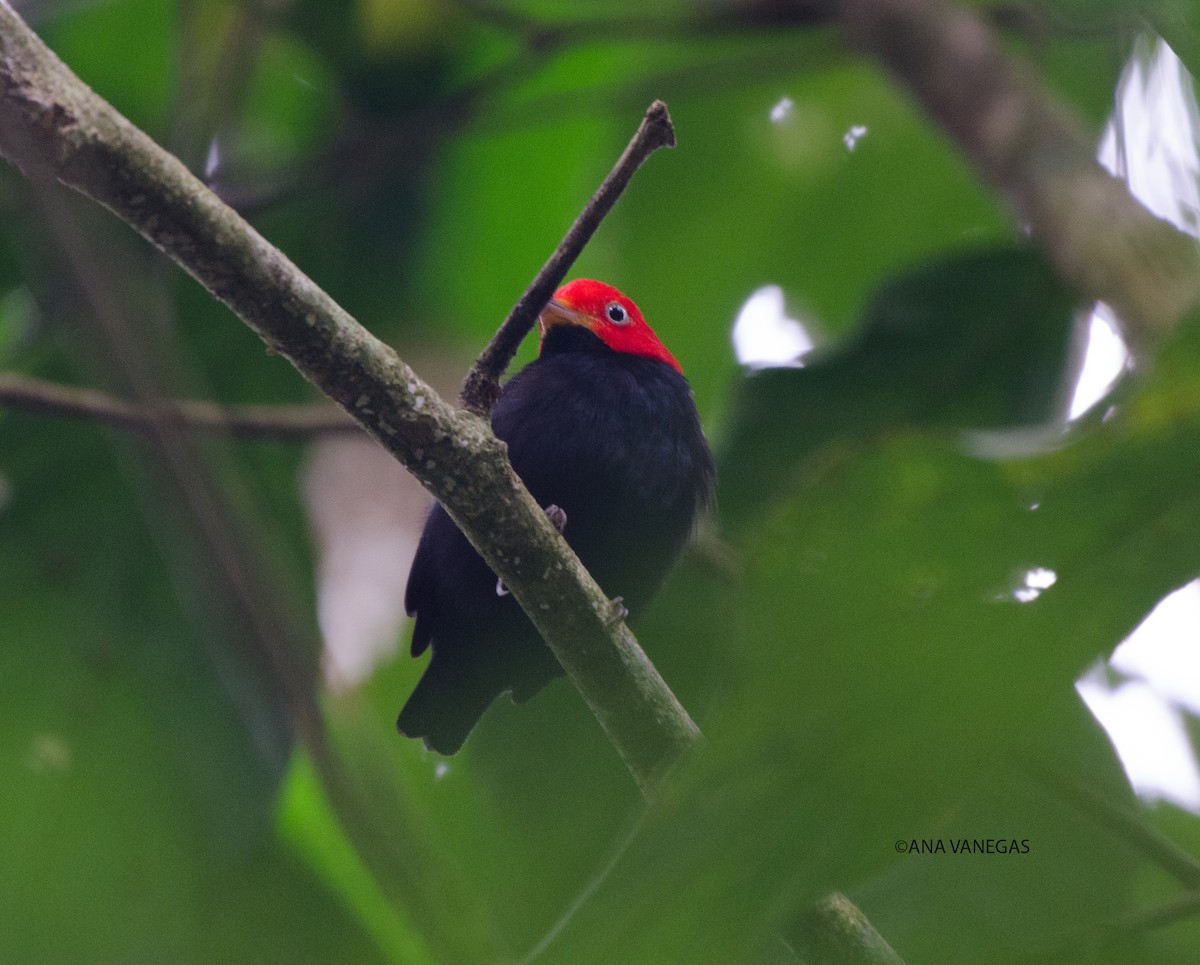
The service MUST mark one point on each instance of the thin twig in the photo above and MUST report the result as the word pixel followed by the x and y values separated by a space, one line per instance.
pixel 482 386
pixel 1132 828
pixel 281 423
pixel 1178 908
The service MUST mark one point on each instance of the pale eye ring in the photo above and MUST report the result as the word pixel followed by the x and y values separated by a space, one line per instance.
pixel 616 313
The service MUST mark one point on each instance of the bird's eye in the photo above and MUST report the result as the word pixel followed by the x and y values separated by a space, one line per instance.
pixel 616 313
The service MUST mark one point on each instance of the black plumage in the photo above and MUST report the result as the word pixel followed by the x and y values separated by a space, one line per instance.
pixel 613 439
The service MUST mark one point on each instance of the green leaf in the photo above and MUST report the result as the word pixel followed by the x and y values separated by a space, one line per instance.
pixel 975 341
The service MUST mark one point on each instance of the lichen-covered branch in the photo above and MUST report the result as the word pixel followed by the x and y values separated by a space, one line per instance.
pixel 53 127
pixel 835 932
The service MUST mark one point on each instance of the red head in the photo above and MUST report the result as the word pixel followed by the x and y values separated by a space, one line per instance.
pixel 608 314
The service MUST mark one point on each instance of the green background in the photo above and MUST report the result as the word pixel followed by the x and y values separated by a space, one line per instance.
pixel 844 632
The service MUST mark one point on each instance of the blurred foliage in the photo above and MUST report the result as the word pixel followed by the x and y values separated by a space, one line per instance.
pixel 855 634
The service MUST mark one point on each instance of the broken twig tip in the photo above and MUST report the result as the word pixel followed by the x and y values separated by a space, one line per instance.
pixel 658 121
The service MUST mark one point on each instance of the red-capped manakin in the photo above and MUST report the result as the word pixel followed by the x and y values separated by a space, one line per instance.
pixel 602 426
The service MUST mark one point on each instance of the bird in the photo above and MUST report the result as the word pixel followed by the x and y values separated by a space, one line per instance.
pixel 603 430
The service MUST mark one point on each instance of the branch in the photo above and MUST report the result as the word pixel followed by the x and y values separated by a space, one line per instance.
pixel 1132 827
pixel 53 127
pixel 282 423
pixel 1036 156
pixel 1181 907
pixel 482 386
pixel 835 932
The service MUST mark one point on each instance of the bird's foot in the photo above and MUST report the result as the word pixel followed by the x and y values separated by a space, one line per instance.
pixel 558 516
pixel 617 611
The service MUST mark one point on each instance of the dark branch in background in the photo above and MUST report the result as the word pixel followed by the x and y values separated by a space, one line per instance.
pixel 1037 157
pixel 482 386
pixel 281 423
pixel 209 95
pixel 1040 23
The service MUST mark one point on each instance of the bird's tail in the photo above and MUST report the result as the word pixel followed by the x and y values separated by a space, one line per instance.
pixel 445 706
